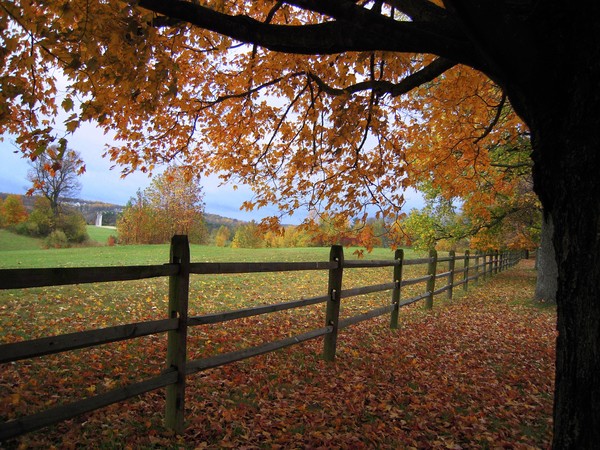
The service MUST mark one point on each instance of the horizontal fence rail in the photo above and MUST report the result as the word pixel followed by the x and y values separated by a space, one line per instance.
pixel 475 267
pixel 28 278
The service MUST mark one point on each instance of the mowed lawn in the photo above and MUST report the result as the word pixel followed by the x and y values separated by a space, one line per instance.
pixel 475 372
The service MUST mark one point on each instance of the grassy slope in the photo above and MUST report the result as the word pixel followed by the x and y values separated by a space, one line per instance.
pixel 14 242
pixel 100 234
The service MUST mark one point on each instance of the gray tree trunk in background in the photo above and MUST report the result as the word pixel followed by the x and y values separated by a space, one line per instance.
pixel 547 271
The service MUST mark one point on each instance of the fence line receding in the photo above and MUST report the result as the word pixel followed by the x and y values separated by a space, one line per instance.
pixel 177 322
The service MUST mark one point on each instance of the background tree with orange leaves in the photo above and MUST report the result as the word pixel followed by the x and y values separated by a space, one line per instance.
pixel 172 204
pixel 12 211
pixel 319 103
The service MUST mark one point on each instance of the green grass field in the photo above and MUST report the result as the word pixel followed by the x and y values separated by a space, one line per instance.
pixel 100 234
pixel 14 242
pixel 23 252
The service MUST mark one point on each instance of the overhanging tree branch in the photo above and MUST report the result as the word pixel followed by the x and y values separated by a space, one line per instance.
pixel 420 10
pixel 426 74
pixel 363 33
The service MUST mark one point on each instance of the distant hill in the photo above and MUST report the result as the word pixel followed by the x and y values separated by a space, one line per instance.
pixel 214 221
pixel 90 208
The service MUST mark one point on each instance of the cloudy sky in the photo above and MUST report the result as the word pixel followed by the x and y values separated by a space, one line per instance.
pixel 103 184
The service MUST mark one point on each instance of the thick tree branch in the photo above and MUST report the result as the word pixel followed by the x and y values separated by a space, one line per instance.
pixel 367 31
pixel 417 10
pixel 420 10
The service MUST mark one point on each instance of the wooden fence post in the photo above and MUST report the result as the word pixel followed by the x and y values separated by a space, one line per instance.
pixel 466 277
pixel 334 291
pixel 483 265
pixel 398 256
pixel 176 346
pixel 477 255
pixel 431 270
pixel 451 265
pixel 496 261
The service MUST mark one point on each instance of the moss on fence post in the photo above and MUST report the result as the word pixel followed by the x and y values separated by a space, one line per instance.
pixel 398 256
pixel 334 291
pixel 176 346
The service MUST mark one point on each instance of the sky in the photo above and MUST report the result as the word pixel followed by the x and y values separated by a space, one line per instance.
pixel 100 183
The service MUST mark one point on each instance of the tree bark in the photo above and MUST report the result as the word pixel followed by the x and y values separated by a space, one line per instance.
pixel 547 272
pixel 566 155
pixel 576 216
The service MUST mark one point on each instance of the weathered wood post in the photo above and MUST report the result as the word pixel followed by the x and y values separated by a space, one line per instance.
pixel 176 343
pixel 451 265
pixel 484 265
pixel 466 276
pixel 431 271
pixel 334 291
pixel 496 261
pixel 477 255
pixel 398 256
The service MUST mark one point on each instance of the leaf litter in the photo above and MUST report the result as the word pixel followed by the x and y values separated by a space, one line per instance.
pixel 475 372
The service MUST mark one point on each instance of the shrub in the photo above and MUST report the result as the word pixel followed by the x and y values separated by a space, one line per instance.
pixel 39 224
pixel 73 225
pixel 57 239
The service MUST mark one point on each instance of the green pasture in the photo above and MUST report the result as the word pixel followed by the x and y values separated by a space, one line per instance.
pixel 60 309
pixel 23 252
pixel 14 242
pixel 100 234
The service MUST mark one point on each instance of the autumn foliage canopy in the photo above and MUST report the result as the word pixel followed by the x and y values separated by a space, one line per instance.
pixel 338 132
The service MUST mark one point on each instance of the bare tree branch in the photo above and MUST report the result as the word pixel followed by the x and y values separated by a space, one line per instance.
pixel 426 74
pixel 495 120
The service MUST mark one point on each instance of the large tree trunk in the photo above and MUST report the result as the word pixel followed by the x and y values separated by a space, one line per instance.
pixel 545 288
pixel 576 214
pixel 566 144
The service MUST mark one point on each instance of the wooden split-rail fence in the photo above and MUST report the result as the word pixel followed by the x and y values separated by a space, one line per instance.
pixel 177 322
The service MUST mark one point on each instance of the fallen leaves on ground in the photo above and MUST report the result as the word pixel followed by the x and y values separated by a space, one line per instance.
pixel 475 372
